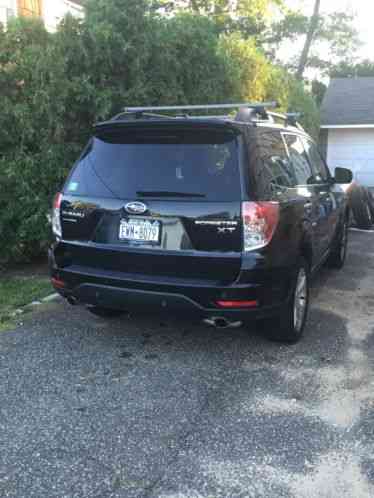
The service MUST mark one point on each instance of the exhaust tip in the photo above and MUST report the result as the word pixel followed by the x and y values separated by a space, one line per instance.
pixel 72 300
pixel 222 323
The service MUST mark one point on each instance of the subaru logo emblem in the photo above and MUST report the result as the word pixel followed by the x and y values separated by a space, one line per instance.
pixel 136 208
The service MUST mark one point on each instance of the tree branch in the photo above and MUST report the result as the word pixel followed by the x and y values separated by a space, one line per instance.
pixel 309 40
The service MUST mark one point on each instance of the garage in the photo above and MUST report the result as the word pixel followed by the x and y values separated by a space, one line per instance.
pixel 353 149
pixel 347 127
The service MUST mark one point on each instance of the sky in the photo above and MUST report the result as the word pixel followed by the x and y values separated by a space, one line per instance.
pixel 364 10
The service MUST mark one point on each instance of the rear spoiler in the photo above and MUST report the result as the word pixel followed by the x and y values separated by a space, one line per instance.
pixel 219 123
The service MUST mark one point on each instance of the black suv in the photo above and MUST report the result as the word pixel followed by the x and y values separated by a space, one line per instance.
pixel 219 218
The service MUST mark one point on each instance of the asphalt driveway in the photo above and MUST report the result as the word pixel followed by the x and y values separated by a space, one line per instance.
pixel 142 407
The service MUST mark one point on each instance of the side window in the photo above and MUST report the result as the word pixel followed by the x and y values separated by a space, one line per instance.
pixel 275 172
pixel 321 172
pixel 303 171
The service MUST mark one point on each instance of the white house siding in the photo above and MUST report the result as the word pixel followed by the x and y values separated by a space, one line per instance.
pixel 8 9
pixel 353 149
pixel 55 10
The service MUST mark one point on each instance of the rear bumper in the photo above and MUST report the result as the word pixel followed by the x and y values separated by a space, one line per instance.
pixel 192 298
pixel 146 301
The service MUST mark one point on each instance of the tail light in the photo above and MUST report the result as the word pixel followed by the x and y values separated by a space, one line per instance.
pixel 56 282
pixel 260 219
pixel 56 215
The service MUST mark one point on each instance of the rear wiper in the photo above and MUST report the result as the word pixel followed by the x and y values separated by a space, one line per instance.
pixel 165 193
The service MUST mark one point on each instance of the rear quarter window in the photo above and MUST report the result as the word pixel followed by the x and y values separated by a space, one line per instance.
pixel 274 171
pixel 303 170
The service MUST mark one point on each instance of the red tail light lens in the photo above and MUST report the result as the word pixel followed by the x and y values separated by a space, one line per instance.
pixel 56 282
pixel 237 304
pixel 56 215
pixel 57 201
pixel 260 219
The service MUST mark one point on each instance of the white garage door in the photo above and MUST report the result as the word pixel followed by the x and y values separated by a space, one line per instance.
pixel 353 149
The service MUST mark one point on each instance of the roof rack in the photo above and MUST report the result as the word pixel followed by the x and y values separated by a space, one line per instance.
pixel 256 105
pixel 256 112
pixel 131 114
pixel 292 118
pixel 288 119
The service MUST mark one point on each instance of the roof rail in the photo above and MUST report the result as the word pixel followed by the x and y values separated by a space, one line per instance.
pixel 128 114
pixel 256 105
pixel 247 112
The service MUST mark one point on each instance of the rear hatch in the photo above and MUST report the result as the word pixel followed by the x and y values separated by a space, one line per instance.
pixel 157 199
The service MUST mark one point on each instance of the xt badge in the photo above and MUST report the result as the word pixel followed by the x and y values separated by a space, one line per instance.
pixel 222 230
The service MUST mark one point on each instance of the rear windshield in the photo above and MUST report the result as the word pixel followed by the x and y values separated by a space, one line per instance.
pixel 184 163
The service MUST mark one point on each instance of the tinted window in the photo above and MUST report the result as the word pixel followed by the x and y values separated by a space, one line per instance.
pixel 299 158
pixel 129 164
pixel 320 169
pixel 275 172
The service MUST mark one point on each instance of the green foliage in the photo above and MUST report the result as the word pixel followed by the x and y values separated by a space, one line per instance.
pixel 255 79
pixel 249 71
pixel 335 41
pixel 278 88
pixel 302 101
pixel 186 64
pixel 318 91
pixel 360 69
pixel 54 86
pixel 16 292
pixel 35 148
pixel 249 17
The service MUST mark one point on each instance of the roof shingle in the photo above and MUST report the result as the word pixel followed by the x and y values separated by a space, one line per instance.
pixel 348 101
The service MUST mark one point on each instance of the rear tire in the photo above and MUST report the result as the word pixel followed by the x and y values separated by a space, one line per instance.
pixel 362 209
pixel 371 204
pixel 339 254
pixel 105 312
pixel 289 325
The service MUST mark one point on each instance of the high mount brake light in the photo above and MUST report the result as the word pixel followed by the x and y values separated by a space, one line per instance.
pixel 260 219
pixel 56 215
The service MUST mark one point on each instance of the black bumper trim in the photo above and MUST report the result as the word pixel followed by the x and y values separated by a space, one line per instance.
pixel 158 302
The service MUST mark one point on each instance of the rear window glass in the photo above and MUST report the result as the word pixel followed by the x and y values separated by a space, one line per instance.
pixel 122 164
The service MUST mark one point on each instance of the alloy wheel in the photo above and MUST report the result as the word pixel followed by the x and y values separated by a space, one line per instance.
pixel 300 301
pixel 343 247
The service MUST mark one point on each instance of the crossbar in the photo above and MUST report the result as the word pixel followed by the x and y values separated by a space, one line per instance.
pixel 259 105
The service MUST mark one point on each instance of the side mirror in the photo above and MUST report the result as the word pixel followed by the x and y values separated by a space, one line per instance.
pixel 343 175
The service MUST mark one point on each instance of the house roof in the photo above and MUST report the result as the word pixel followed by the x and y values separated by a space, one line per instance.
pixel 348 101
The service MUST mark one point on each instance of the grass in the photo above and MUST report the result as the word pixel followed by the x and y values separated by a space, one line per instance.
pixel 16 292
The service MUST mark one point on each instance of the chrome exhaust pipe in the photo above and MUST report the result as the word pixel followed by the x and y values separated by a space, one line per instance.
pixel 222 323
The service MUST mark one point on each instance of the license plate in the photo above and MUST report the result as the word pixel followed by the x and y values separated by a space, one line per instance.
pixel 140 230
